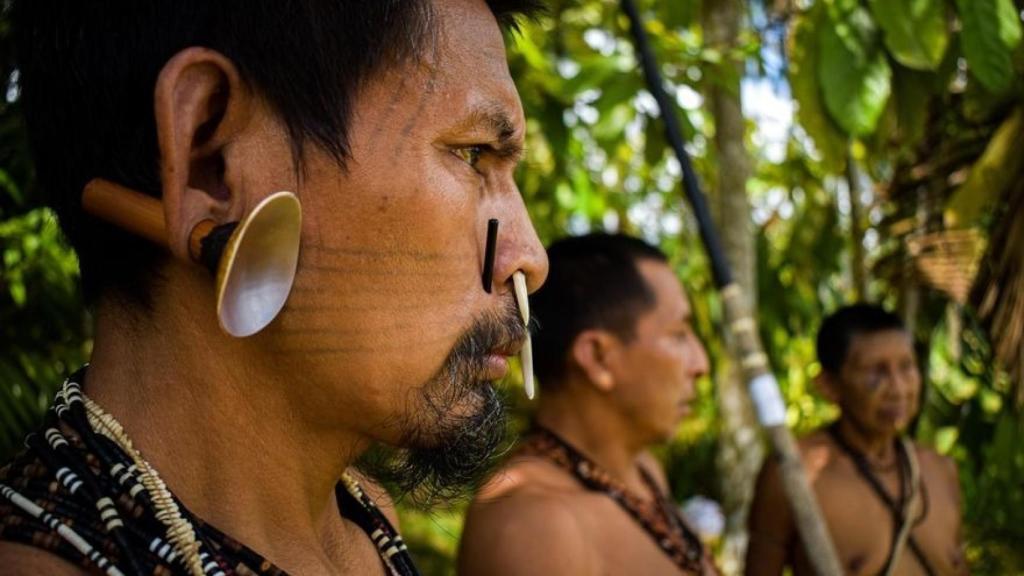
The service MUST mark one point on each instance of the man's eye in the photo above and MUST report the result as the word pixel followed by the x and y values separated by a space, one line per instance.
pixel 469 154
pixel 682 334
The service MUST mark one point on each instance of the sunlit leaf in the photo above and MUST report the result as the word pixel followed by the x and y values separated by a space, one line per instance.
pixel 916 31
pixel 856 82
pixel 804 53
pixel 1000 166
pixel 991 29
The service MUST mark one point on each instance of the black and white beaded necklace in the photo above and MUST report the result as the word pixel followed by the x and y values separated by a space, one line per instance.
pixel 81 491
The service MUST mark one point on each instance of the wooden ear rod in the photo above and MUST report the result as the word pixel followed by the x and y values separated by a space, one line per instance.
pixel 137 213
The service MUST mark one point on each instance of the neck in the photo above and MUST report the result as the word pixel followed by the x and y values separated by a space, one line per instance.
pixel 591 426
pixel 876 448
pixel 218 424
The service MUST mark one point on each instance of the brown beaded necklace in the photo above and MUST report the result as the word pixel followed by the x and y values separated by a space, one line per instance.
pixel 659 519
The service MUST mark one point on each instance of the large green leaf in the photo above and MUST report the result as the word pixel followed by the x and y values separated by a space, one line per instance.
pixel 804 50
pixel 997 169
pixel 1009 23
pixel 854 74
pixel 991 29
pixel 916 31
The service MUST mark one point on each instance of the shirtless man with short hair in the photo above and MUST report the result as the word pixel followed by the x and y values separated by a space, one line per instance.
pixel 869 369
pixel 184 447
pixel 616 360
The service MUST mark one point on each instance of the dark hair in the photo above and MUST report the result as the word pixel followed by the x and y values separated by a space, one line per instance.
pixel 88 69
pixel 594 282
pixel 839 329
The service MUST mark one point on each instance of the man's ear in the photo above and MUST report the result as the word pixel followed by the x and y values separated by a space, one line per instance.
pixel 827 385
pixel 594 352
pixel 201 105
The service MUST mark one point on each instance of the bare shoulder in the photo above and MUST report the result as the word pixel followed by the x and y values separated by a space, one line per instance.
pixel 378 494
pixel 928 456
pixel 817 452
pixel 526 475
pixel 935 465
pixel 19 559
pixel 770 524
pixel 524 521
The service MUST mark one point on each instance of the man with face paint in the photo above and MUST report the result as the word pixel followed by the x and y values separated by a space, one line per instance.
pixel 892 506
pixel 396 128
pixel 616 361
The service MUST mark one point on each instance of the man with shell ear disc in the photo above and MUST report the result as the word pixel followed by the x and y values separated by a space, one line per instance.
pixel 281 212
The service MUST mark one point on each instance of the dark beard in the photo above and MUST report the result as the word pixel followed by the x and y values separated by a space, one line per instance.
pixel 457 426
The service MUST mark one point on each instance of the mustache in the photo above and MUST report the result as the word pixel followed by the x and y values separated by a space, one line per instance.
pixel 500 330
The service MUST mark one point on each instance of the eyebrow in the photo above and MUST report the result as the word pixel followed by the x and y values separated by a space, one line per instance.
pixel 499 125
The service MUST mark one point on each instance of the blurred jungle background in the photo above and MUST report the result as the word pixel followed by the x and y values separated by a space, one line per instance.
pixel 851 149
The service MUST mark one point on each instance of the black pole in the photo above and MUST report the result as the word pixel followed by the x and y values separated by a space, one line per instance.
pixel 691 185
pixel 741 325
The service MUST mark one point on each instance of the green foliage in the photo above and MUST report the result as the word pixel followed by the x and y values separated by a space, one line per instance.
pixel 43 325
pixel 911 89
pixel 967 418
pixel 916 31
pixel 42 330
pixel 991 30
pixel 992 174
pixel 433 537
pixel 797 282
pixel 804 57
pixel 853 71
pixel 995 517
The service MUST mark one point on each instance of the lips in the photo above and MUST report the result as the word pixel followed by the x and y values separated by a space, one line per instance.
pixel 685 405
pixel 495 365
pixel 893 413
pixel 508 349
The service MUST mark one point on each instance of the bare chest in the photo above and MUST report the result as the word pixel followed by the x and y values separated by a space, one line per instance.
pixel 863 527
pixel 620 544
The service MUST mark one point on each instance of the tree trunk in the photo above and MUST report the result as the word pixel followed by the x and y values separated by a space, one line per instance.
pixel 741 452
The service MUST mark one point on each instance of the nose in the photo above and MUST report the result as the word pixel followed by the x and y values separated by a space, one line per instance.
pixel 699 365
pixel 518 248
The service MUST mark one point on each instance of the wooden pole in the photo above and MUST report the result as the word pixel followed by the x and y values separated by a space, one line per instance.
pixel 763 389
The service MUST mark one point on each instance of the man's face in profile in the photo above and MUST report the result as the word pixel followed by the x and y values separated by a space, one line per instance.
pixel 879 383
pixel 388 327
pixel 662 362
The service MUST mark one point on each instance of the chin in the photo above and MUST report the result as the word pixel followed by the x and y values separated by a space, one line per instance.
pixel 449 446
pixel 665 433
pixel 441 416
pixel 889 424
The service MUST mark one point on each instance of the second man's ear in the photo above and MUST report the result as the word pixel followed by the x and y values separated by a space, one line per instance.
pixel 594 352
pixel 828 386
pixel 201 105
